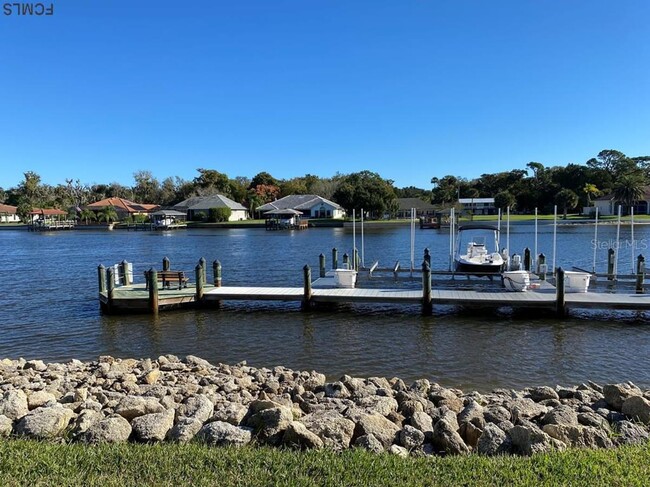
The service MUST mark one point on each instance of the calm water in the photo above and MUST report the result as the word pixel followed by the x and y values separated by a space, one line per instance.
pixel 49 309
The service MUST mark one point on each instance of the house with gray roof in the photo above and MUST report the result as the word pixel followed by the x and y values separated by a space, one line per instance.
pixel 197 205
pixel 422 208
pixel 309 205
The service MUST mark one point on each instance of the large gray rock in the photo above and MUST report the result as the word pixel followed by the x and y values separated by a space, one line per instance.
pixel 495 413
pixel 526 409
pixel 298 436
pixel 152 427
pixel 230 412
pixel 84 421
pixel 269 424
pixel 472 413
pixel 528 440
pixel 445 397
pixel 377 404
pixel 131 407
pixel 616 394
pixel 198 407
pixel 629 433
pixel 579 436
pixel 337 390
pixel 6 426
pixel 45 423
pixel 493 441
pixel 562 415
pixel 184 430
pixel 423 422
pixel 594 420
pixel 637 408
pixel 39 399
pixel 542 393
pixel 332 427
pixel 219 433
pixel 411 437
pixel 370 443
pixel 114 429
pixel 13 404
pixel 377 425
pixel 446 439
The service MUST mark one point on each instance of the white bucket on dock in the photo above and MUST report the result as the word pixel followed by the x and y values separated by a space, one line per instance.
pixel 576 282
pixel 345 277
pixel 516 280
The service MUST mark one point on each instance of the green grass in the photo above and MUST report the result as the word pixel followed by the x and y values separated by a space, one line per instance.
pixel 36 463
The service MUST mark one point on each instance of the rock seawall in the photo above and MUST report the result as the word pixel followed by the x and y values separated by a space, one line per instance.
pixel 170 399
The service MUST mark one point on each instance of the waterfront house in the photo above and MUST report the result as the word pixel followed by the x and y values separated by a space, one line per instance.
pixel 8 214
pixel 423 209
pixel 608 205
pixel 198 207
pixel 309 206
pixel 123 207
pixel 478 206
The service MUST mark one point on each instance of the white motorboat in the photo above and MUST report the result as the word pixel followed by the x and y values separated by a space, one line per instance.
pixel 478 249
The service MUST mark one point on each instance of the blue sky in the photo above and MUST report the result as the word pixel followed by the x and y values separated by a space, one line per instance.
pixel 408 89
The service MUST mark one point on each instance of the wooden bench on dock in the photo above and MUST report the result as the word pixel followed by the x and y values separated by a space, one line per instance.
pixel 167 277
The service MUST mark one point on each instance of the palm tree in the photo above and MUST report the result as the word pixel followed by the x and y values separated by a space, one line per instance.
pixel 107 214
pixel 566 199
pixel 629 189
pixel 590 190
pixel 87 215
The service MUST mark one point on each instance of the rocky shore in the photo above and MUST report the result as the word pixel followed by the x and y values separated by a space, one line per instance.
pixel 170 399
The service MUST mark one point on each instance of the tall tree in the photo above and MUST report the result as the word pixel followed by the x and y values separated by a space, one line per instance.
pixel 629 189
pixel 566 199
pixel 210 182
pixel 146 188
pixel 365 190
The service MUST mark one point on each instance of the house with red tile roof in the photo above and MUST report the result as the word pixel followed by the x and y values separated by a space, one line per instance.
pixel 8 214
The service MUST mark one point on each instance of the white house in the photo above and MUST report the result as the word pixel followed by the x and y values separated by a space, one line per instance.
pixel 478 206
pixel 607 204
pixel 201 204
pixel 8 214
pixel 310 205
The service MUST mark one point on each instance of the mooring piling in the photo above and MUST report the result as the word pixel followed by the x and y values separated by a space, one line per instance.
pixel 152 280
pixel 101 278
pixel 335 258
pixel 307 292
pixel 427 306
pixel 527 259
pixel 165 264
pixel 611 264
pixel 199 276
pixel 560 303
pixel 321 265
pixel 640 273
pixel 541 267
pixel 216 271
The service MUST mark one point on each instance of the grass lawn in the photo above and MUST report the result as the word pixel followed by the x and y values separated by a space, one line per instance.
pixel 25 462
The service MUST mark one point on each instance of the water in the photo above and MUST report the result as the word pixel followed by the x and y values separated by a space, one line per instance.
pixel 49 309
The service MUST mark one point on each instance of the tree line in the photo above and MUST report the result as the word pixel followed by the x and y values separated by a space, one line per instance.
pixel 569 187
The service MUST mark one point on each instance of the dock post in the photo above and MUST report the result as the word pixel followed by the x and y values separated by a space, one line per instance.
pixel 640 273
pixel 346 261
pixel 124 278
pixel 204 269
pixel 335 258
pixel 216 270
pixel 560 305
pixel 527 259
pixel 152 280
pixel 541 267
pixel 198 273
pixel 427 257
pixel 306 297
pixel 101 278
pixel 110 286
pixel 355 260
pixel 427 308
pixel 321 263
pixel 611 258
pixel 165 264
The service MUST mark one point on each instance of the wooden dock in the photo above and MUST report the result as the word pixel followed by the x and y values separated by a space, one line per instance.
pixel 129 297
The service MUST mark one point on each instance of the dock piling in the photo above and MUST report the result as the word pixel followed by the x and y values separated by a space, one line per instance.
pixel 640 273
pixel 427 307
pixel 355 259
pixel 110 286
pixel 560 304
pixel 611 261
pixel 427 256
pixel 541 266
pixel 216 271
pixel 306 297
pixel 101 278
pixel 165 264
pixel 204 269
pixel 199 276
pixel 152 280
pixel 335 258
pixel 527 259
pixel 321 264
pixel 346 261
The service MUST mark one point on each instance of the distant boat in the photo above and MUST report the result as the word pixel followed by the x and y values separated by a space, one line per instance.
pixel 478 249
pixel 429 222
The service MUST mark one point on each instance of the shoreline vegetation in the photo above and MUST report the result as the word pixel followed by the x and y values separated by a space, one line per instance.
pixel 170 421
